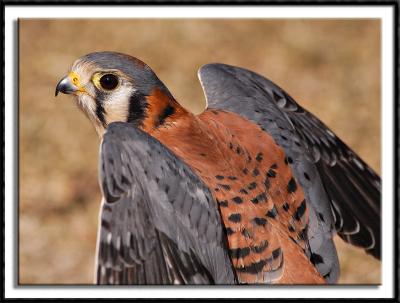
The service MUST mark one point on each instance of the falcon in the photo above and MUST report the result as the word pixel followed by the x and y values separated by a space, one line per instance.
pixel 250 191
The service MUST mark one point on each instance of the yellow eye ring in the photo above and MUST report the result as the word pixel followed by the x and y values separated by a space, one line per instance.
pixel 106 81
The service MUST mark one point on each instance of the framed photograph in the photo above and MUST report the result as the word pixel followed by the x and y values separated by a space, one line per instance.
pixel 241 150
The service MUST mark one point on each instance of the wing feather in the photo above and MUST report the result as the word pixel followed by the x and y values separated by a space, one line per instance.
pixel 344 191
pixel 159 223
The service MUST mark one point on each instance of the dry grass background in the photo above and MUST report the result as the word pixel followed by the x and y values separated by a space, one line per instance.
pixel 331 67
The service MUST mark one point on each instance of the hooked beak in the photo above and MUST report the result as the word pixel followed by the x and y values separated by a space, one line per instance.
pixel 66 86
pixel 70 84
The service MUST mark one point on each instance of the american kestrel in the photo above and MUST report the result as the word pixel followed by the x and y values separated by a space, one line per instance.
pixel 252 190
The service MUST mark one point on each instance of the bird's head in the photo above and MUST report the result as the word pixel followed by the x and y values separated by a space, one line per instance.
pixel 111 87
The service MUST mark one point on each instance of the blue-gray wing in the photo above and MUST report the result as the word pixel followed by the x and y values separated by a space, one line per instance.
pixel 159 223
pixel 343 191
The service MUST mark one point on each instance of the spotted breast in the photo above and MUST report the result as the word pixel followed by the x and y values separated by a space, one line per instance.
pixel 261 204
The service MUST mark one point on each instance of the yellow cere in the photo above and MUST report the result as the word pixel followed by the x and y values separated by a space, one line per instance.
pixel 74 77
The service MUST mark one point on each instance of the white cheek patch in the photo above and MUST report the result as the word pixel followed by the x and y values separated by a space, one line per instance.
pixel 88 105
pixel 116 104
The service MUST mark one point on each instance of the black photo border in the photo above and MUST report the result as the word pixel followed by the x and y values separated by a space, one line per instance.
pixel 396 130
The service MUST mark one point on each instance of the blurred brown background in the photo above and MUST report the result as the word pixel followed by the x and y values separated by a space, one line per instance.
pixel 331 67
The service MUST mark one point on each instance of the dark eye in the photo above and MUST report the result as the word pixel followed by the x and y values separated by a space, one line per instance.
pixel 109 81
